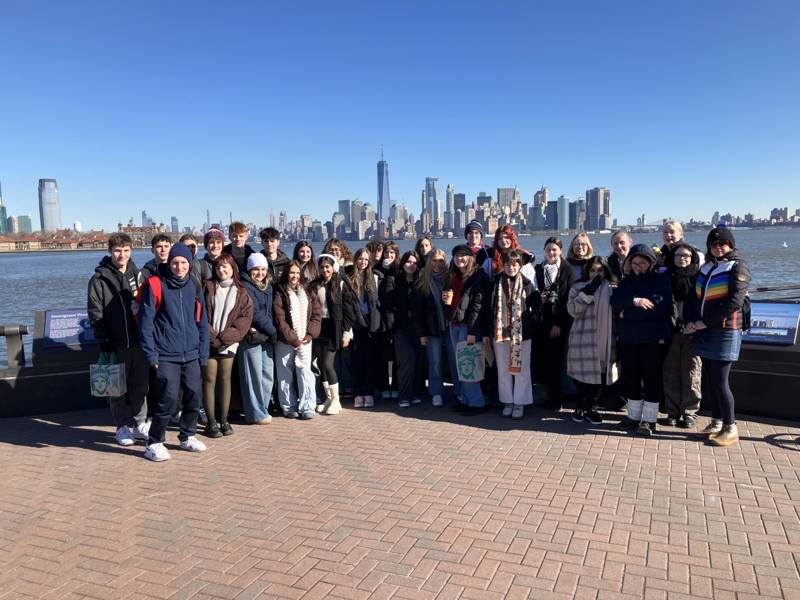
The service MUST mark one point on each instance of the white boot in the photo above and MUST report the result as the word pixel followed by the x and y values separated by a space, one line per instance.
pixel 321 407
pixel 332 406
pixel 635 410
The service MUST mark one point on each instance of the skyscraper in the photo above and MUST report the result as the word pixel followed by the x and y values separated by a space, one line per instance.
pixel 598 202
pixel 563 213
pixel 4 228
pixel 384 202
pixel 460 201
pixel 433 203
pixel 24 223
pixel 49 207
pixel 506 197
pixel 173 222
pixel 344 208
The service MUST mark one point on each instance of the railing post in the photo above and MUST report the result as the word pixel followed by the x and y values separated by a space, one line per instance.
pixel 14 347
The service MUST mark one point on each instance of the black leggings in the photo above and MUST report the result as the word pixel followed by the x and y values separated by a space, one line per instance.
pixel 642 366
pixel 589 395
pixel 716 374
pixel 326 360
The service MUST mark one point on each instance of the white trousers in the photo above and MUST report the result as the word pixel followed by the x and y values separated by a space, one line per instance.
pixel 513 388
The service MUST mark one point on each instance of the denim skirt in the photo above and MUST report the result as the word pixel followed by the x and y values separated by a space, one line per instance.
pixel 717 344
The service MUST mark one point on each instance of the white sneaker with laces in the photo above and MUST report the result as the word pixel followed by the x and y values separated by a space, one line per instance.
pixel 404 403
pixel 123 436
pixel 517 411
pixel 369 401
pixel 358 402
pixel 192 444
pixel 437 401
pixel 156 452
pixel 507 408
pixel 141 431
pixel 416 400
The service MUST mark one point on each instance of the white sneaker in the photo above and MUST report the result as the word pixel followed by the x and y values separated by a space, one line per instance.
pixel 517 411
pixel 156 452
pixel 192 444
pixel 141 432
pixel 437 401
pixel 124 437
pixel 507 408
pixel 369 401
pixel 404 403
pixel 416 400
pixel 358 402
pixel 175 419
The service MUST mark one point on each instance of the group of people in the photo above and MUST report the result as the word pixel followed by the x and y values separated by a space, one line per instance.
pixel 643 325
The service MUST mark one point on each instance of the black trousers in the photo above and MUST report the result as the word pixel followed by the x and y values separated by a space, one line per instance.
pixel 364 362
pixel 409 356
pixel 548 355
pixel 642 368
pixel 589 395
pixel 169 380
pixel 716 376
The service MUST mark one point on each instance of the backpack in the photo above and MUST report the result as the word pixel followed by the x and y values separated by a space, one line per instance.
pixel 154 283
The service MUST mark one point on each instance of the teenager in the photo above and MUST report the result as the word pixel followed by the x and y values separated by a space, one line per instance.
pixel 423 249
pixel 203 268
pixel 514 307
pixel 473 233
pixel 642 304
pixel 591 353
pixel 408 349
pixel 367 323
pixel 174 335
pixel 112 289
pixel 239 249
pixel 375 247
pixel 297 318
pixel 430 320
pixel 276 258
pixel 230 313
pixel 554 278
pixel 580 251
pixel 304 255
pixel 682 370
pixel 336 327
pixel 672 234
pixel 467 297
pixel 505 240
pixel 160 246
pixel 257 350
pixel 339 250
pixel 388 267
pixel 720 311
pixel 620 246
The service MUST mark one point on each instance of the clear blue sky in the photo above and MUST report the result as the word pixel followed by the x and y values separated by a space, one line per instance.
pixel 680 107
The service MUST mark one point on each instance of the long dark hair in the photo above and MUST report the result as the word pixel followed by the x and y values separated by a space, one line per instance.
pixel 333 286
pixel 608 275
pixel 227 259
pixel 283 282
pixel 401 272
pixel 311 265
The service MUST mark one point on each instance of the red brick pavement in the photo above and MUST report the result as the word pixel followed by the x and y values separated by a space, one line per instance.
pixel 386 504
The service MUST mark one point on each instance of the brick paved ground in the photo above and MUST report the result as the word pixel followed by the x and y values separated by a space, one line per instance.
pixel 381 504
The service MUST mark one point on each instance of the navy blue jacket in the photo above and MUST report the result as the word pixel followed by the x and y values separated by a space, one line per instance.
pixel 173 334
pixel 262 308
pixel 636 325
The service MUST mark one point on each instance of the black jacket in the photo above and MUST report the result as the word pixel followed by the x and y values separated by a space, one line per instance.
pixel 386 296
pixel 473 306
pixel 276 266
pixel 554 301
pixel 400 303
pixel 373 319
pixel 110 304
pixel 615 265
pixel 340 313
pixel 635 325
pixel 239 258
pixel 150 268
pixel 531 314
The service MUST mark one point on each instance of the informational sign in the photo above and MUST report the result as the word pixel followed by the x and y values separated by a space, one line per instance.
pixel 67 328
pixel 773 323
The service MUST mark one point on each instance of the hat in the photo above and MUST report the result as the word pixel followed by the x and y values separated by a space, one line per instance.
pixel 213 234
pixel 462 250
pixel 473 225
pixel 330 257
pixel 256 259
pixel 720 234
pixel 639 250
pixel 180 250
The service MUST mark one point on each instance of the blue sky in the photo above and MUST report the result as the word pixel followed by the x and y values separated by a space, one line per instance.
pixel 680 107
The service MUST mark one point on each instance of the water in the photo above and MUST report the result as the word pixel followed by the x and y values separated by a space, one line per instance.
pixel 58 280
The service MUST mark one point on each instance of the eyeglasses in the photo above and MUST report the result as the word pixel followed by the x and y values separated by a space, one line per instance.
pixel 640 263
pixel 682 256
pixel 192 246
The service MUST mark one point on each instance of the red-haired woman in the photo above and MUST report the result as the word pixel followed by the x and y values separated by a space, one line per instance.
pixel 230 314
pixel 505 240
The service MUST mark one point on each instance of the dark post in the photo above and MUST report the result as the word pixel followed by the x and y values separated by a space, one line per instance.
pixel 14 347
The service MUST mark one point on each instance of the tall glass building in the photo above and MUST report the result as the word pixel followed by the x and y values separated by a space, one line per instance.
pixel 49 206
pixel 384 202
pixel 3 216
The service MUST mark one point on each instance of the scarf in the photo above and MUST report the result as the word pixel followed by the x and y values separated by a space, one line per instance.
pixel 509 300
pixel 550 273
pixel 602 302
pixel 298 309
pixel 224 301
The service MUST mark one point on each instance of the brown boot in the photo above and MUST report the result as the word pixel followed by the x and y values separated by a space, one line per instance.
pixel 729 436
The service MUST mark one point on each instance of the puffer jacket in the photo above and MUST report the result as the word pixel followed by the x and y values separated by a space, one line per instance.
pixel 340 313
pixel 720 292
pixel 276 266
pixel 262 308
pixel 636 325
pixel 281 309
pixel 473 306
pixel 110 301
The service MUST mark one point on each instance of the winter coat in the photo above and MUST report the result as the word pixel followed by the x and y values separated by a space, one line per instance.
pixel 202 270
pixel 373 319
pixel 238 322
pixel 487 263
pixel 150 268
pixel 682 281
pixel 386 298
pixel 340 313
pixel 472 309
pixel 262 313
pixel 276 266
pixel 281 309
pixel 636 325
pixel 615 265
pixel 720 292
pixel 554 310
pixel 429 314
pixel 110 304
pixel 239 259
pixel 173 333
pixel 530 315
pixel 400 303
pixel 583 358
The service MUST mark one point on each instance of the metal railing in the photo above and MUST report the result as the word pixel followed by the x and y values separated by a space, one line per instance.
pixel 14 347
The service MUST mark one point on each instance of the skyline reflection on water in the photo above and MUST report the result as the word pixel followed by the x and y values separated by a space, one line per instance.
pixel 58 280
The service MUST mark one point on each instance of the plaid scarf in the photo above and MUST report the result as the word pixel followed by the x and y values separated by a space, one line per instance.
pixel 509 301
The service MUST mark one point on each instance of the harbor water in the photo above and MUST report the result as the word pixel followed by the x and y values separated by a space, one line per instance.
pixel 33 281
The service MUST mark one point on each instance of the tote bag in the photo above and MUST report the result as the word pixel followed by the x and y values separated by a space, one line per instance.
pixel 107 376
pixel 470 362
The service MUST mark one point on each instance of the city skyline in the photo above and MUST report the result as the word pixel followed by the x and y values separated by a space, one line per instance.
pixel 684 109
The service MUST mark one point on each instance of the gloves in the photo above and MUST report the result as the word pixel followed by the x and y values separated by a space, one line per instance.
pixel 592 286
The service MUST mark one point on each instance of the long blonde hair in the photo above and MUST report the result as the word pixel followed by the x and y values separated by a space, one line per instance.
pixel 369 279
pixel 424 280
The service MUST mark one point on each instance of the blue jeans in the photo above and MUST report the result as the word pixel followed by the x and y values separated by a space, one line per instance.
pixel 302 400
pixel 169 380
pixel 469 391
pixel 256 375
pixel 433 350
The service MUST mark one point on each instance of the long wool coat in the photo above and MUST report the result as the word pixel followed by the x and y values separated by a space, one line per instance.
pixel 583 360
